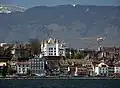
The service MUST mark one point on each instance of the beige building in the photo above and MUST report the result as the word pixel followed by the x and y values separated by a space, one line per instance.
pixel 3 64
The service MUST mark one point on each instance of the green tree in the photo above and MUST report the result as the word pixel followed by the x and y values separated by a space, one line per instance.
pixel 4 71
pixel 78 55
pixel 35 46
pixel 10 71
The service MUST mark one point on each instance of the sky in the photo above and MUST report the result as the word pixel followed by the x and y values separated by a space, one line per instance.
pixel 31 3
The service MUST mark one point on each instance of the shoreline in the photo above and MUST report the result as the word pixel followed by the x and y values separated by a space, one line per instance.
pixel 82 78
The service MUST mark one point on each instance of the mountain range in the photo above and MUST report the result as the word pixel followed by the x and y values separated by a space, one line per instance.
pixel 77 25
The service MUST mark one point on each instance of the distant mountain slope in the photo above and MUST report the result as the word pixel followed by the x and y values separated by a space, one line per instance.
pixel 65 21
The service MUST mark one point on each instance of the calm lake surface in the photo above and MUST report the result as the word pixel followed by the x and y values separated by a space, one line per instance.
pixel 60 83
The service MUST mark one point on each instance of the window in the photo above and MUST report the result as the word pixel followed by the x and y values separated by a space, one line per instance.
pixel 50 53
pixel 37 60
pixel 23 71
pixel 50 48
pixel 39 67
pixel 42 67
pixel 54 53
pixel 23 68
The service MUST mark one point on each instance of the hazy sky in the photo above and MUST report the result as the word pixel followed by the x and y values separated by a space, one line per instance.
pixel 30 3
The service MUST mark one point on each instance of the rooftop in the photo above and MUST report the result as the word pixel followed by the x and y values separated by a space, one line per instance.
pixel 23 63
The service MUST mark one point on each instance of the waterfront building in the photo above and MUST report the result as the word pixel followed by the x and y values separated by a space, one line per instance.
pixel 64 69
pixel 117 68
pixel 82 67
pixel 53 47
pixel 3 68
pixel 22 67
pixel 111 70
pixel 53 50
pixel 101 69
pixel 12 62
pixel 37 65
pixel 3 64
pixel 12 65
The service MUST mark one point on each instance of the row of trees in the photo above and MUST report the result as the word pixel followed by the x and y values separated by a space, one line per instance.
pixel 76 54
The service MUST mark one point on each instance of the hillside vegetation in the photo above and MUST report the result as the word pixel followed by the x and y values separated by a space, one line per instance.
pixel 65 22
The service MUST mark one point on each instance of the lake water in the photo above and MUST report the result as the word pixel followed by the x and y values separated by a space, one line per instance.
pixel 60 83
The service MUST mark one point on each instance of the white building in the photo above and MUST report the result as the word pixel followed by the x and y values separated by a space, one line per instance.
pixel 37 65
pixel 53 47
pixel 117 68
pixel 101 69
pixel 111 70
pixel 22 67
pixel 2 44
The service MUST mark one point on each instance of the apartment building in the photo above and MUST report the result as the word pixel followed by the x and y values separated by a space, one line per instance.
pixel 22 67
pixel 37 65
pixel 117 68
pixel 101 69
